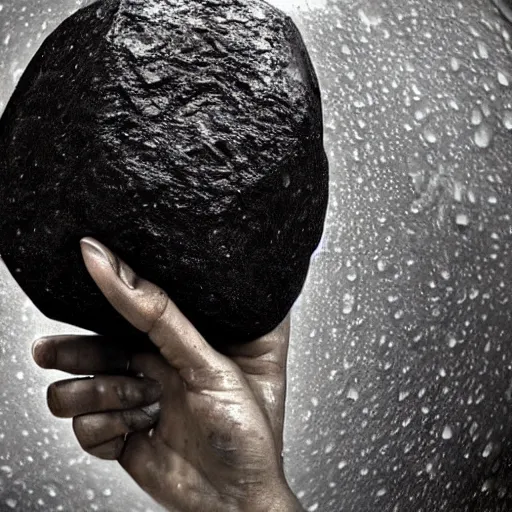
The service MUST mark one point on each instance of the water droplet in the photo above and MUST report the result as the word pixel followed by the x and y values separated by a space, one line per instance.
pixel 370 18
pixel 486 109
pixel 487 485
pixel 462 219
pixel 429 135
pixel 483 50
pixel 416 90
pixel 447 432
pixel 402 395
pixel 457 191
pixel 452 342
pixel 503 78
pixel 455 64
pixel 487 451
pixel 483 135
pixel 420 114
pixel 348 303
pixel 353 394
pixel 418 178
pixel 381 265
pixel 507 119
pixel 453 104
pixel 476 116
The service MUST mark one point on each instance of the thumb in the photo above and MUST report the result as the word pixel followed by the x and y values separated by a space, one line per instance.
pixel 148 308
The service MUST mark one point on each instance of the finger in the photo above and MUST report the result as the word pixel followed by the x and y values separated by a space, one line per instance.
pixel 74 397
pixel 80 355
pixel 150 310
pixel 152 465
pixel 155 367
pixel 95 431
pixel 138 459
pixel 110 450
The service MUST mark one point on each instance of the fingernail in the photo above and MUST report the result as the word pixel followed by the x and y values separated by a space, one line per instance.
pixel 99 251
pixel 126 274
pixel 122 270
pixel 43 353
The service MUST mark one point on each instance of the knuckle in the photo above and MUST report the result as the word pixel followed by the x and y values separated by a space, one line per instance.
pixel 122 394
pixel 128 420
pixel 159 305
pixel 99 388
pixel 126 394
pixel 147 304
pixel 139 419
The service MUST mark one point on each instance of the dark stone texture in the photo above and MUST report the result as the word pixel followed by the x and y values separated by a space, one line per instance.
pixel 187 137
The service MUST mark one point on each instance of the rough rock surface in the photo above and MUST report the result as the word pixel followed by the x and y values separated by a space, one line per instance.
pixel 186 135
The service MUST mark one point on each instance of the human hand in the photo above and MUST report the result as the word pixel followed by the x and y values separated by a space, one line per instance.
pixel 214 440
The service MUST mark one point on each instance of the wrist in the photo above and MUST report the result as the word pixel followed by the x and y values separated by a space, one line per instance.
pixel 287 503
pixel 279 499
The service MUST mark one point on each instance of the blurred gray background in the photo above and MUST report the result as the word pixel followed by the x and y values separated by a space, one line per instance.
pixel 400 375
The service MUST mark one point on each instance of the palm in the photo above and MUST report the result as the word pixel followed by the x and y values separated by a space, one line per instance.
pixel 224 428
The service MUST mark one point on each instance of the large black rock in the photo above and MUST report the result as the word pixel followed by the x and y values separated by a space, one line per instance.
pixel 186 135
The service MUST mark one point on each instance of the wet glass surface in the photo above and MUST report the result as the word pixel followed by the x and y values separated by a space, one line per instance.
pixel 400 375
